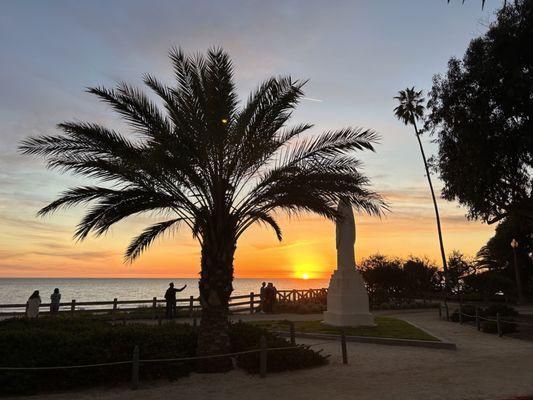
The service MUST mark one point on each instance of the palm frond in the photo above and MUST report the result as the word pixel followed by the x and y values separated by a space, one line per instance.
pixel 146 238
pixel 262 217
pixel 216 166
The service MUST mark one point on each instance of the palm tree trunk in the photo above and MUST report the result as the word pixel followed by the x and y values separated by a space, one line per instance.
pixel 439 230
pixel 215 290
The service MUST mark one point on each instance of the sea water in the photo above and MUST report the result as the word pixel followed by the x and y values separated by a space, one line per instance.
pixel 17 290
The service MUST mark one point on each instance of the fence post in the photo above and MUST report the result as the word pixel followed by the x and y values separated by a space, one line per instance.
pixel 191 305
pixel 252 296
pixel 154 306
pixel 440 311
pixel 115 305
pixel 460 314
pixel 447 311
pixel 293 333
pixel 135 369
pixel 343 348
pixel 499 325
pixel 478 323
pixel 73 306
pixel 263 357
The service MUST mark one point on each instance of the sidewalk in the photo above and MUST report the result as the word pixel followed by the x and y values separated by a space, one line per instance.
pixel 483 367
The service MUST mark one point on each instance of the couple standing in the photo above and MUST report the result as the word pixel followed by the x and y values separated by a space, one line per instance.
pixel 34 302
pixel 267 295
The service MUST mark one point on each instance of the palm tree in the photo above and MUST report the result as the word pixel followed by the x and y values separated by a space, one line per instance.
pixel 409 111
pixel 208 164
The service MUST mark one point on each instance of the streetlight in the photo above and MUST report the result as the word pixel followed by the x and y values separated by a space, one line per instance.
pixel 514 245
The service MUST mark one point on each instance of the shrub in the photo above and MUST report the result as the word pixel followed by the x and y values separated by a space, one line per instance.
pixel 492 327
pixel 81 340
pixel 502 309
pixel 299 308
pixel 403 306
pixel 78 341
pixel 247 336
pixel 469 313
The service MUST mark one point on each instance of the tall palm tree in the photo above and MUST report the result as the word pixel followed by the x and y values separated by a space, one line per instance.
pixel 208 164
pixel 410 110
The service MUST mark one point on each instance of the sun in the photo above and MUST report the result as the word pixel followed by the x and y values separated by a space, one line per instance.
pixel 305 276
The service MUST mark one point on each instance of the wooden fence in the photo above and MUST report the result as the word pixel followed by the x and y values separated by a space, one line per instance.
pixel 238 304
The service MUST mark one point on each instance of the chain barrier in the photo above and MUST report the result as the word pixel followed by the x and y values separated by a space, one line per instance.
pixel 148 361
pixel 494 320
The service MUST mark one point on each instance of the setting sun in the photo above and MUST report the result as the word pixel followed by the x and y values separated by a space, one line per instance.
pixel 305 276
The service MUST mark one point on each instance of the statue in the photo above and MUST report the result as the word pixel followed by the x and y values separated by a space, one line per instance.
pixel 347 296
pixel 345 235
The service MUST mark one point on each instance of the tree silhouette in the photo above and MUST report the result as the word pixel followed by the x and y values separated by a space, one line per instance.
pixel 481 112
pixel 410 110
pixel 210 165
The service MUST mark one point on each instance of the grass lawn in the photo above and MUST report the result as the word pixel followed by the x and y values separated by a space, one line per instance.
pixel 387 327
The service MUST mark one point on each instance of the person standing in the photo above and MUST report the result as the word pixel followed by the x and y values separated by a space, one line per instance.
pixel 268 298
pixel 32 306
pixel 55 299
pixel 262 297
pixel 274 294
pixel 170 299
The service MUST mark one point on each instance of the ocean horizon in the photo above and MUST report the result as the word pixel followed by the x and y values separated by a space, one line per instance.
pixel 17 290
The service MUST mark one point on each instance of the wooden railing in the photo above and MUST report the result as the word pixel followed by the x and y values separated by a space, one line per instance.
pixel 240 303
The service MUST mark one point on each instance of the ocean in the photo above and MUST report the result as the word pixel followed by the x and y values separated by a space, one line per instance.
pixel 17 290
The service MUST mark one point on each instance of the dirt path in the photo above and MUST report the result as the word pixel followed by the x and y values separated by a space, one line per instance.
pixel 483 367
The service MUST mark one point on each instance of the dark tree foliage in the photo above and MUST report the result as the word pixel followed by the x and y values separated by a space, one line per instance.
pixel 420 277
pixel 481 111
pixel 396 281
pixel 384 278
pixel 209 163
pixel 487 283
pixel 458 268
pixel 497 254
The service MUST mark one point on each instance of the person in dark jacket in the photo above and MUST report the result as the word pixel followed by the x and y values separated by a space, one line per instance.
pixel 170 299
pixel 270 298
pixel 262 298
pixel 55 300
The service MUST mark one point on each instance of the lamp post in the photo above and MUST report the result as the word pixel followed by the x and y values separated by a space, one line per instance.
pixel 514 245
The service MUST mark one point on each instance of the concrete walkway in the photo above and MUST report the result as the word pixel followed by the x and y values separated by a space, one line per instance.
pixel 483 367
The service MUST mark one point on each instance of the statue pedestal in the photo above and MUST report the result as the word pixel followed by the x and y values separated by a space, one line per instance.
pixel 347 300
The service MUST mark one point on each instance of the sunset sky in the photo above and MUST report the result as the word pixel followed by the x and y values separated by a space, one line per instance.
pixel 356 55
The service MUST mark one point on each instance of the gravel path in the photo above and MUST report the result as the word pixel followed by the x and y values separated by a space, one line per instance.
pixel 483 367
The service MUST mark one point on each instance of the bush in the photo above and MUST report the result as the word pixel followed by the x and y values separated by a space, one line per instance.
pixel 403 306
pixel 299 308
pixel 492 327
pixel 502 309
pixel 76 341
pixel 47 342
pixel 247 336
pixel 467 309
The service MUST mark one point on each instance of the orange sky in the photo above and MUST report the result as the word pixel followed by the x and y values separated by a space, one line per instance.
pixel 36 247
pixel 356 55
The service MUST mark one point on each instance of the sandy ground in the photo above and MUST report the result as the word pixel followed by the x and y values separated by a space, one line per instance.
pixel 483 367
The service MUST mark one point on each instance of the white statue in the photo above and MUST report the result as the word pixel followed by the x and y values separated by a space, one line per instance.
pixel 345 235
pixel 347 296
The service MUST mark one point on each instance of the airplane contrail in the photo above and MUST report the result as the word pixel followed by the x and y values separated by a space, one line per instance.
pixel 311 99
